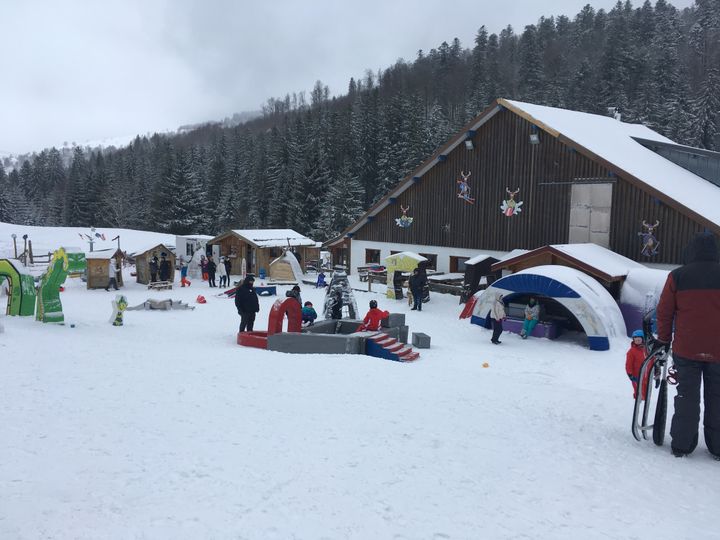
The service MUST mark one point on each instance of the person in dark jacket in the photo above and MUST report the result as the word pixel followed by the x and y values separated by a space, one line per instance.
pixel 295 293
pixel 228 266
pixel 211 267
pixel 690 302
pixel 247 304
pixel 164 269
pixel 154 265
pixel 417 286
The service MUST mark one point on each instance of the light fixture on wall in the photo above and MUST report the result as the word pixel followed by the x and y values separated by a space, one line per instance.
pixel 534 135
pixel 468 140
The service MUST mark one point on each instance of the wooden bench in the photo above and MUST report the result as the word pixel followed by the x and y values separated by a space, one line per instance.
pixel 160 285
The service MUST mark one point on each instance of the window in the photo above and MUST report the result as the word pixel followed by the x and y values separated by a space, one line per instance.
pixel 372 256
pixel 432 260
pixel 457 264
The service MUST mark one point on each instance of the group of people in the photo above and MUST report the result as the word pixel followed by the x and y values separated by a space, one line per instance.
pixel 210 269
pixel 159 268
pixel 498 315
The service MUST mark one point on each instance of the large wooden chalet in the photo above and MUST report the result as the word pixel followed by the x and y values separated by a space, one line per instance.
pixel 525 176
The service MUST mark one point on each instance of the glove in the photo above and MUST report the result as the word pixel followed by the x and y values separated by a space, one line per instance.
pixel 660 346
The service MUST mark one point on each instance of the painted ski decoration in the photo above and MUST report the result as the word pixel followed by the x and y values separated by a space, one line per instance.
pixel 510 207
pixel 464 188
pixel 404 221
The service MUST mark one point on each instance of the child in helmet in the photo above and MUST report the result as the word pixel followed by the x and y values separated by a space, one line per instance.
pixel 634 359
pixel 373 319
pixel 308 314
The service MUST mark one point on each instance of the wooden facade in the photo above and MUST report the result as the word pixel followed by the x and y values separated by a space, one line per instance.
pixel 142 263
pixel 503 157
pixel 98 268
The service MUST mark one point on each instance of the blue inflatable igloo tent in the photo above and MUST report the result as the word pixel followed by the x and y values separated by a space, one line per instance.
pixel 588 301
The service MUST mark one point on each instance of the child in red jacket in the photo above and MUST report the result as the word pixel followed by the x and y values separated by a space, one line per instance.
pixel 634 359
pixel 373 319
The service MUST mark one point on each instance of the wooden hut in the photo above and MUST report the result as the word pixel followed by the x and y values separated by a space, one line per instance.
pixel 142 263
pixel 98 267
pixel 251 250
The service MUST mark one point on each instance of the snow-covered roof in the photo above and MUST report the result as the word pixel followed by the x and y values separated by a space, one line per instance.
pixel 195 236
pixel 588 256
pixel 478 258
pixel 609 139
pixel 106 254
pixel 149 247
pixel 613 141
pixel 514 253
pixel 274 237
pixel 599 257
pixel 408 254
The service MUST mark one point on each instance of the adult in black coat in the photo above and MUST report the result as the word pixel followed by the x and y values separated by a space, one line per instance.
pixel 154 265
pixel 247 304
pixel 417 283
pixel 211 268
pixel 164 269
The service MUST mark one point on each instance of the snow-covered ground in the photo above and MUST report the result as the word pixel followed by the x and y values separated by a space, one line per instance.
pixel 165 428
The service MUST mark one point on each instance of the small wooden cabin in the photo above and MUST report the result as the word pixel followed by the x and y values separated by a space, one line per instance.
pixel 252 250
pixel 142 263
pixel 98 267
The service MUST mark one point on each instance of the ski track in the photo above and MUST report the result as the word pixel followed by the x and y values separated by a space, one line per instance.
pixel 165 428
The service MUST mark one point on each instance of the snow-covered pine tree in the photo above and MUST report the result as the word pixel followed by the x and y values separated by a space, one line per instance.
pixel 343 204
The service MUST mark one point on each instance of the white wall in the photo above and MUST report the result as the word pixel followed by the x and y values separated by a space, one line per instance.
pixel 358 247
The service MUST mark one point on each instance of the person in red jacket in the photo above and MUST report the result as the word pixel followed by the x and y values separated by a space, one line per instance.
pixel 633 362
pixel 689 308
pixel 373 319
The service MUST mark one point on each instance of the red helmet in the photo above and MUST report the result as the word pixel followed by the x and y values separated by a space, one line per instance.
pixel 201 299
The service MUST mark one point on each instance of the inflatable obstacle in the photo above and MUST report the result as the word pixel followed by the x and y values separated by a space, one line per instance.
pixel 49 307
pixel 21 288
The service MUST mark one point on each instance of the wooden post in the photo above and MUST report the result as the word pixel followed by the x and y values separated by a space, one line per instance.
pixel 30 248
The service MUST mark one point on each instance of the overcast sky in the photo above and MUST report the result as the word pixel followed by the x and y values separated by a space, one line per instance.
pixel 89 70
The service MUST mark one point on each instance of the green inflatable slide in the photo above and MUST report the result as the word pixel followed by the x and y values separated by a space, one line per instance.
pixel 49 307
pixel 21 288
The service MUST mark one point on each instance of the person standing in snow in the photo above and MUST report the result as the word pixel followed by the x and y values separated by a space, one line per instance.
pixel 295 293
pixel 633 362
pixel 203 267
pixel 164 268
pixel 222 272
pixel 112 274
pixel 417 286
pixel 183 273
pixel 228 267
pixel 497 314
pixel 210 269
pixel 532 315
pixel 154 265
pixel 247 304
pixel 689 306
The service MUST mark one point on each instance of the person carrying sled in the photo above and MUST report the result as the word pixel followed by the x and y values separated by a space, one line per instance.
pixel 417 287
pixel 373 319
pixel 633 362
pixel 532 315
pixel 497 314
pixel 690 306
pixel 247 304
pixel 308 314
